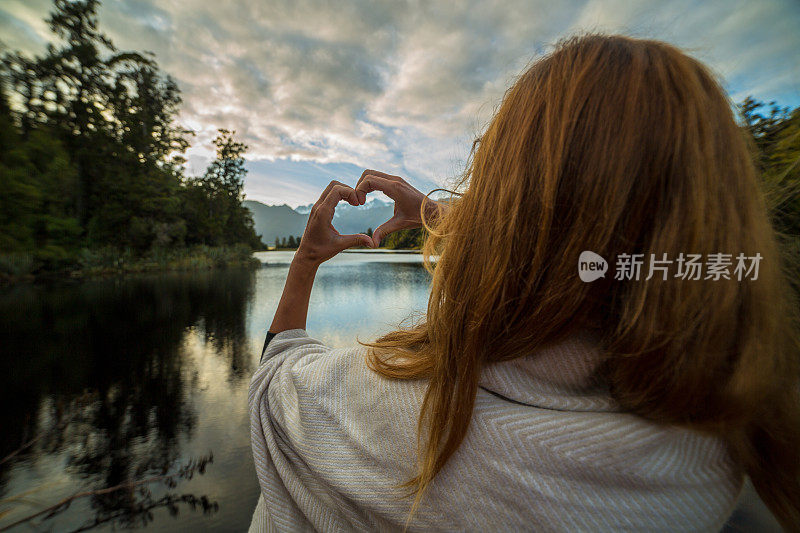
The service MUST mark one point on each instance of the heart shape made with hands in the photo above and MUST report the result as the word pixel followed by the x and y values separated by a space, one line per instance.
pixel 365 213
pixel 322 241
pixel 407 201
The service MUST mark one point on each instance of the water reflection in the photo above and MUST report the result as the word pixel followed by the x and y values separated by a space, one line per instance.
pixel 97 374
pixel 124 379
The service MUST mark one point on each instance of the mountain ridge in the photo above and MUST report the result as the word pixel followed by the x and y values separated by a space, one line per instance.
pixel 279 221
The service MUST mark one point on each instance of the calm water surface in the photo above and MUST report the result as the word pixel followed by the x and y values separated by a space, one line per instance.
pixel 134 377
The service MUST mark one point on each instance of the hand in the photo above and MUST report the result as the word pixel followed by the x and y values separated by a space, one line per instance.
pixel 407 202
pixel 320 240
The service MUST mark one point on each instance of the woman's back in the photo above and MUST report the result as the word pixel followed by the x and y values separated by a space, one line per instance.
pixel 547 449
pixel 623 149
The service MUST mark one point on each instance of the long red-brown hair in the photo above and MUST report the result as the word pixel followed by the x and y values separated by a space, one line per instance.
pixel 614 145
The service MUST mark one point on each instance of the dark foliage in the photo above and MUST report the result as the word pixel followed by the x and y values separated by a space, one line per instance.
pixel 91 153
pixel 776 137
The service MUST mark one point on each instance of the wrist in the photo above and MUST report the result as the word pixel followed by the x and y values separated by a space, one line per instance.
pixel 431 209
pixel 305 261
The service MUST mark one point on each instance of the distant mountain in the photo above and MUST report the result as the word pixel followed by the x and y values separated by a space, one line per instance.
pixel 275 221
pixel 304 209
pixel 356 219
pixel 279 221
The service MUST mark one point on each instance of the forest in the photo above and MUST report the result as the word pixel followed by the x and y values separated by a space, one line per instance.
pixel 404 239
pixel 92 165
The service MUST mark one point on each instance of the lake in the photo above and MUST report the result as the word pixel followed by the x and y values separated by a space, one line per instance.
pixel 135 377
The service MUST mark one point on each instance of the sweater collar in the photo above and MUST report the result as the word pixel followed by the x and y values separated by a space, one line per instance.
pixel 562 376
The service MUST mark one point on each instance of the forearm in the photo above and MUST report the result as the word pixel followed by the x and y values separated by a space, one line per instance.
pixel 293 307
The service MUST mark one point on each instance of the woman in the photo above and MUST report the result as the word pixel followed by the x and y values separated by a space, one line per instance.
pixel 529 399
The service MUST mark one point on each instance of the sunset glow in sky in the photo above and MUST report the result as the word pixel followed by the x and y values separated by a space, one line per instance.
pixel 321 90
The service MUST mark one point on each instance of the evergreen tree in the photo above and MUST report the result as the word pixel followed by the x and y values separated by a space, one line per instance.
pixel 776 135
pixel 214 201
pixel 38 184
pixel 114 113
pixel 91 154
pixel 404 239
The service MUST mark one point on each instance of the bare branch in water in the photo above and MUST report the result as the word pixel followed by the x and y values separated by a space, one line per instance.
pixel 171 501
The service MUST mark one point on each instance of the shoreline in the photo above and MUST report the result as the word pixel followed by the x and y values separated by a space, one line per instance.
pixel 118 265
pixel 356 250
pixel 18 269
pixel 382 251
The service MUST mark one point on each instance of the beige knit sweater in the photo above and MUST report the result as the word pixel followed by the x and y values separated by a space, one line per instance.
pixel 547 450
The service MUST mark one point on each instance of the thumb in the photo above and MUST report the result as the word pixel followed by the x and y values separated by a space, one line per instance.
pixel 385 229
pixel 357 239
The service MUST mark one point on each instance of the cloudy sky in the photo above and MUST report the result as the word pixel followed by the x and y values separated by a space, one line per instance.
pixel 322 89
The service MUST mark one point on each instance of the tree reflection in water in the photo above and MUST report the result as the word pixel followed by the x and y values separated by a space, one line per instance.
pixel 98 375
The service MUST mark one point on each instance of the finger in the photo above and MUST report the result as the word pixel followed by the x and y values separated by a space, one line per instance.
pixel 377 173
pixel 362 196
pixel 324 194
pixel 375 183
pixel 390 226
pixel 337 194
pixel 349 241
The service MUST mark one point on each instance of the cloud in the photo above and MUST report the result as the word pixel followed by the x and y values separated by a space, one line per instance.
pixel 398 85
